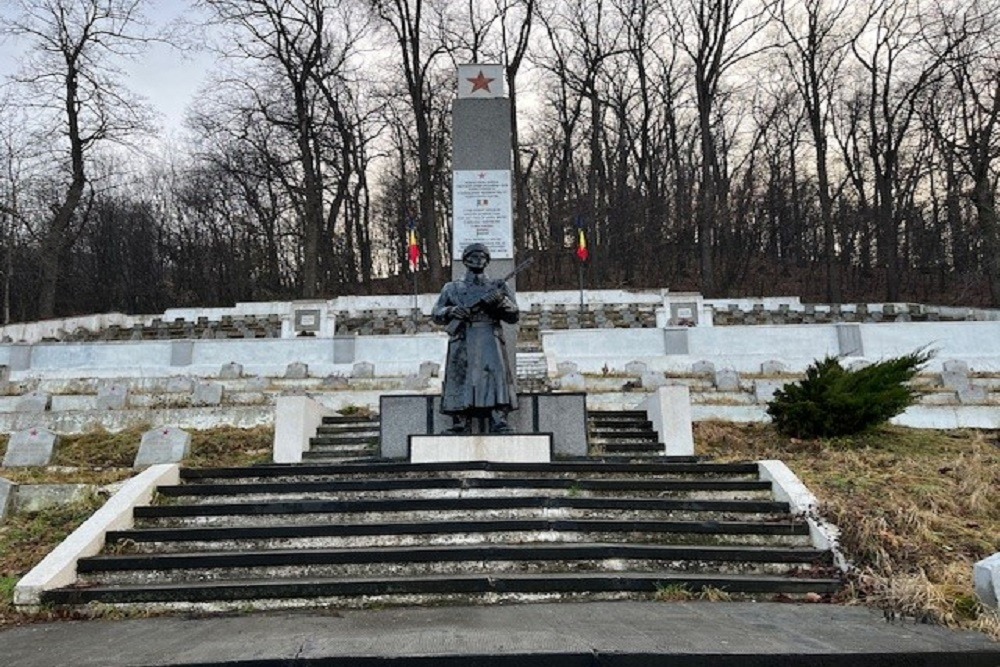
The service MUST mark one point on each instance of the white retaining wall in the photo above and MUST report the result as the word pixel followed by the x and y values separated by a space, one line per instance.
pixel 745 348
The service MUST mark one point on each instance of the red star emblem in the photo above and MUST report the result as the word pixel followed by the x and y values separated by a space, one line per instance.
pixel 481 82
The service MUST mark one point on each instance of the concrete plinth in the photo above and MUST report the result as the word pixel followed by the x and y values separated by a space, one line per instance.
pixel 563 415
pixel 514 448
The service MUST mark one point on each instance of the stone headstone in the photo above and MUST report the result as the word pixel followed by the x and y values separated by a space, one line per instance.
pixel 763 390
pixel 703 368
pixel 430 369
pixel 258 383
pixel 652 380
pixel 37 497
pixel 206 393
pixel 162 445
pixel 954 380
pixel 415 382
pixel 296 371
pixel 7 489
pixel 972 394
pixel 335 382
pixel 33 447
pixel 773 367
pixel 363 369
pixel 636 368
pixel 112 397
pixel 566 368
pixel 986 576
pixel 34 401
pixel 955 366
pixel 858 364
pixel 727 380
pixel 573 382
pixel 231 371
pixel 179 385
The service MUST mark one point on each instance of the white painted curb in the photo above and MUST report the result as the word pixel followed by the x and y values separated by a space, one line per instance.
pixel 787 487
pixel 986 575
pixel 296 419
pixel 58 569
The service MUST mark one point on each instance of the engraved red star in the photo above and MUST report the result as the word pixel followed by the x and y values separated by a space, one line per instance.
pixel 481 82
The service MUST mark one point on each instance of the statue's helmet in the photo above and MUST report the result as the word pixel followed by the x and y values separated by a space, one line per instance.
pixel 473 247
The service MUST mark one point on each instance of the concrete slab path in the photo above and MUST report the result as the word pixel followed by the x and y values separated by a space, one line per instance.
pixel 570 634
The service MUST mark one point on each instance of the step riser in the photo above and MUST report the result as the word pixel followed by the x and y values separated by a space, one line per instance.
pixel 529 513
pixel 485 591
pixel 382 470
pixel 370 542
pixel 301 479
pixel 474 493
pixel 435 568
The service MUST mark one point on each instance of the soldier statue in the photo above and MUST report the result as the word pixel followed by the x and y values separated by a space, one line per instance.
pixel 478 381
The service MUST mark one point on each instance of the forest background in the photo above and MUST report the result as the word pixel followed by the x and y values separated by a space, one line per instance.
pixel 836 150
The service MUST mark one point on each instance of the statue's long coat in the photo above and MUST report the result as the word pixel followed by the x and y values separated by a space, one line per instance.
pixel 477 376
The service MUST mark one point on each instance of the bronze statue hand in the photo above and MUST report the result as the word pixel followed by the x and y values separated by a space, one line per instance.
pixel 459 313
pixel 494 298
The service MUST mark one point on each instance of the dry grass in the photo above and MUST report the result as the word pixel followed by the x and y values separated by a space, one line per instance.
pixel 916 509
pixel 98 458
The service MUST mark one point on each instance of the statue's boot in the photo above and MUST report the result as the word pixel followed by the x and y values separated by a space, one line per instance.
pixel 460 425
pixel 498 422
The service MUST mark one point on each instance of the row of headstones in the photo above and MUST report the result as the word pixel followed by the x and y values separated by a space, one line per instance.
pixel 954 376
pixel 36 447
pixel 115 396
pixel 809 314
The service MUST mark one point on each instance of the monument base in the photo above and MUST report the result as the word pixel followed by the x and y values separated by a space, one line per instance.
pixel 513 448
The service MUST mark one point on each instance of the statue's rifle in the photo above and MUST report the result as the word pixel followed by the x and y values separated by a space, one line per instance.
pixel 455 325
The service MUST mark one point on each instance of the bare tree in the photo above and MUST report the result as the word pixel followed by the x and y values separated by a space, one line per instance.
pixel 299 51
pixel 71 83
pixel 814 52
pixel 965 117
pixel 716 35
pixel 418 28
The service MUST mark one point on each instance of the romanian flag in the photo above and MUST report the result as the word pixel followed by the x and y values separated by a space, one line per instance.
pixel 581 244
pixel 412 247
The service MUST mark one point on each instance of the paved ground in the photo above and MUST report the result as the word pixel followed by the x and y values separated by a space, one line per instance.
pixel 597 633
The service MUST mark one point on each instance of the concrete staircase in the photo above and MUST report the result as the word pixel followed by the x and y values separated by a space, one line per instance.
pixel 377 533
pixel 344 438
pixel 623 434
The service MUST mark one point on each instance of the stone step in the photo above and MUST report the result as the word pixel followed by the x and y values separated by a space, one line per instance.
pixel 348 428
pixel 619 424
pixel 467 531
pixel 468 558
pixel 351 419
pixel 629 447
pixel 617 414
pixel 333 454
pixel 344 439
pixel 443 485
pixel 376 508
pixel 623 436
pixel 670 469
pixel 357 592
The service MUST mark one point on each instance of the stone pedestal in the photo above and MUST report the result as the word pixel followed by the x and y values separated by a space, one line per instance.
pixel 562 415
pixel 512 448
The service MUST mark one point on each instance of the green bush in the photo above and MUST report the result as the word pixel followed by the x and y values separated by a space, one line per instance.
pixel 833 401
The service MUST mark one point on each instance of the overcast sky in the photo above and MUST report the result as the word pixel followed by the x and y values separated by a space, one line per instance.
pixel 164 75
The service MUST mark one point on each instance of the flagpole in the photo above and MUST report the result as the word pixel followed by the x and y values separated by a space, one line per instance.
pixel 580 272
pixel 416 307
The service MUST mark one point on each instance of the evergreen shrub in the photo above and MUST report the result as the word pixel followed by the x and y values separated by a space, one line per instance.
pixel 833 401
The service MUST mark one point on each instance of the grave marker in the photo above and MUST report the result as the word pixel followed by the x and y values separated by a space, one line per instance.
pixel 33 447
pixel 162 445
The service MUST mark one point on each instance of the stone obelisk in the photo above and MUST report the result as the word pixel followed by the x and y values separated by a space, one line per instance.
pixel 482 178
pixel 482 163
